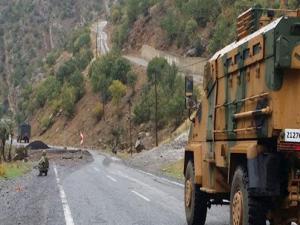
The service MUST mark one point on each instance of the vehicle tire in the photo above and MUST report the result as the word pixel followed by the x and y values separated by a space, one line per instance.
pixel 244 208
pixel 195 200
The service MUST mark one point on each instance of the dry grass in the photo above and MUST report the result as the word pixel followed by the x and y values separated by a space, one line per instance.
pixel 174 169
pixel 2 170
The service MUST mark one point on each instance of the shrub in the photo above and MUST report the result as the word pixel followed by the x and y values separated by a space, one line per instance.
pixel 170 25
pixel 219 40
pixel 83 59
pixel 66 69
pixel 84 40
pixel 41 96
pixel 142 110
pixel 120 34
pixel 116 15
pixel 51 58
pixel 131 80
pixel 170 93
pixel 48 90
pixel 106 69
pixel 120 69
pixel 191 28
pixel 46 122
pixel 156 67
pixel 98 112
pixel 68 101
pixel 77 82
pixel 117 90
pixel 53 88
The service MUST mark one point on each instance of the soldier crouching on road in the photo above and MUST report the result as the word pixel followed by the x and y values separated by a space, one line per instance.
pixel 43 164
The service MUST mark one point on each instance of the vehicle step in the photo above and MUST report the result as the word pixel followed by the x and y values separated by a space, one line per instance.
pixel 208 190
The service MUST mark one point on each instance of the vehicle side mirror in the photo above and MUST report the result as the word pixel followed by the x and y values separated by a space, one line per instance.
pixel 189 86
pixel 190 101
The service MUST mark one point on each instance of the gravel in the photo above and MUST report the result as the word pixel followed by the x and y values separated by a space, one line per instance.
pixel 33 200
pixel 153 160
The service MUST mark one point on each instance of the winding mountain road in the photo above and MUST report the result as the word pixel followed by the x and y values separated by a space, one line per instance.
pixel 102 42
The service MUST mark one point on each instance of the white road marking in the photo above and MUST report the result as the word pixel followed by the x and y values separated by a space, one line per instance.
pixel 95 168
pixel 161 178
pixel 111 178
pixel 66 208
pixel 132 179
pixel 141 196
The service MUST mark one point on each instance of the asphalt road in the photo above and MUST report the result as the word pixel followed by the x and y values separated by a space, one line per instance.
pixel 104 191
pixel 102 38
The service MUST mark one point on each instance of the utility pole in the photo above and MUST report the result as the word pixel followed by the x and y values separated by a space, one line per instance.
pixel 97 31
pixel 156 122
pixel 130 126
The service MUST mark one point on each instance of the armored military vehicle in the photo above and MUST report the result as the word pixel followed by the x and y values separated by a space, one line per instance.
pixel 24 133
pixel 244 142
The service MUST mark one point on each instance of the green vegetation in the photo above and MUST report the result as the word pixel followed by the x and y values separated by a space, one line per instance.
pixel 117 90
pixel 80 39
pixel 68 101
pixel 124 15
pixel 109 75
pixel 46 122
pixel 32 38
pixel 131 80
pixel 51 58
pixel 170 89
pixel 63 89
pixel 13 170
pixel 6 130
pixel 98 112
pixel 184 21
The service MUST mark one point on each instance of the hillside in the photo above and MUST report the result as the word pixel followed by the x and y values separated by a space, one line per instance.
pixel 69 90
pixel 193 27
pixel 30 29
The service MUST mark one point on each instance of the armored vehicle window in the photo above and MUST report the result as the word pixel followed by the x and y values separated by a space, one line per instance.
pixel 246 53
pixel 229 62
pixel 295 29
pixel 237 58
pixel 256 48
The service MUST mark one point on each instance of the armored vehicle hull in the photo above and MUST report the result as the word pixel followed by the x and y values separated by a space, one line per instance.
pixel 244 145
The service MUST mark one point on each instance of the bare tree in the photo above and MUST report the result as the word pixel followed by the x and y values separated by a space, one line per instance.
pixel 5 125
pixel 10 127
pixel 3 134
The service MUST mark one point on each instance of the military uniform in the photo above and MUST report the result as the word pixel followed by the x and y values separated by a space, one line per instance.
pixel 43 164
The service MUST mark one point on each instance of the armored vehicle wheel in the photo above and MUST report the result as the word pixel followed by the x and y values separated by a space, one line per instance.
pixel 195 200
pixel 244 209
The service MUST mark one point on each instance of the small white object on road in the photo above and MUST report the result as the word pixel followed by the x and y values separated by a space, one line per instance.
pixel 66 208
pixel 141 196
pixel 95 168
pixel 111 178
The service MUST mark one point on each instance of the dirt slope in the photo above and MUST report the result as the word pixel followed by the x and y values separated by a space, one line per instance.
pixel 96 134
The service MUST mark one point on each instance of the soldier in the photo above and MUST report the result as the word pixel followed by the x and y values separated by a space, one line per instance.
pixel 43 164
pixel 139 145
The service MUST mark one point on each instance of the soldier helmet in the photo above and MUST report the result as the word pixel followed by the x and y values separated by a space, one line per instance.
pixel 44 153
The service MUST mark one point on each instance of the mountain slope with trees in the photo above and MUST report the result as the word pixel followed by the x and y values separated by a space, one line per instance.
pixel 203 26
pixel 30 30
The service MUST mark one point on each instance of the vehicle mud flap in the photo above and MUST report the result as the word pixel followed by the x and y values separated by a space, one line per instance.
pixel 263 171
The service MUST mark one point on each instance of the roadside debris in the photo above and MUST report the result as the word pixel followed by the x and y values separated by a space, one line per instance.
pixel 37 145
pixel 21 154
